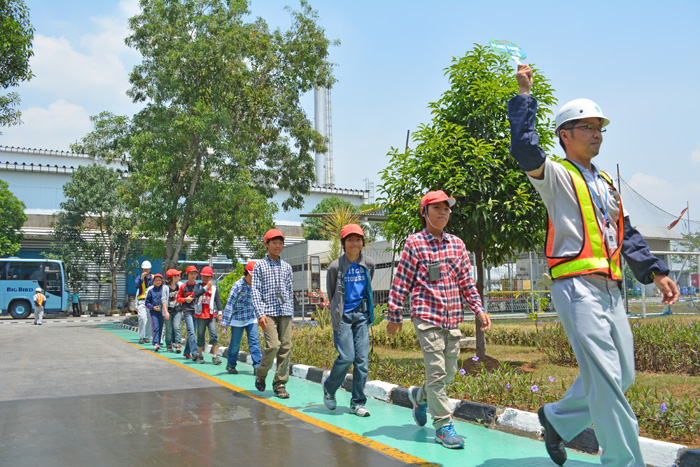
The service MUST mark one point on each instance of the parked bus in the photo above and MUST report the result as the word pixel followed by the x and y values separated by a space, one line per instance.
pixel 19 279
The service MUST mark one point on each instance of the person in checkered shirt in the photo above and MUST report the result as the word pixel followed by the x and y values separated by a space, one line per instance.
pixel 435 269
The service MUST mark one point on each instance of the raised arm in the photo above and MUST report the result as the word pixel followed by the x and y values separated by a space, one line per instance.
pixel 522 114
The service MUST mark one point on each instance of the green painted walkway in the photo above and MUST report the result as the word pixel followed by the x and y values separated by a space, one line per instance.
pixel 389 424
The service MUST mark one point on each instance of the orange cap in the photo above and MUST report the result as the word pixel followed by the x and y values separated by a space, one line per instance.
pixel 438 196
pixel 272 233
pixel 158 275
pixel 351 229
pixel 207 271
pixel 249 266
pixel 190 269
pixel 172 272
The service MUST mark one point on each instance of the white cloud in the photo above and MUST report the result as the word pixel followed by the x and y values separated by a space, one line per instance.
pixel 55 127
pixel 695 155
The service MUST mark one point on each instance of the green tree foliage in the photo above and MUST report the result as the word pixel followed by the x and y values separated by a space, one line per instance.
pixel 222 128
pixel 12 218
pixel 313 226
pixel 16 35
pixel 94 227
pixel 464 151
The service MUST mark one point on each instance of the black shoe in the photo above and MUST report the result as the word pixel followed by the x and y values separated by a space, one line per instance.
pixel 231 370
pixel 552 441
pixel 259 384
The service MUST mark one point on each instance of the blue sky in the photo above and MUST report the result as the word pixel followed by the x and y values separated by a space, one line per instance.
pixel 637 59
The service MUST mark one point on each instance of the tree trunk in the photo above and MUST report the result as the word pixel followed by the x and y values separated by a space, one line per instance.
pixel 480 339
pixel 113 301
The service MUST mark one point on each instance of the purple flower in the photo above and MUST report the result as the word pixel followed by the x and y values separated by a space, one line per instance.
pixel 688 324
pixel 507 385
pixel 556 320
pixel 309 340
pixel 664 408
pixel 475 358
pixel 292 345
pixel 539 322
pixel 534 388
pixel 313 324
pixel 462 372
pixel 636 325
pixel 551 379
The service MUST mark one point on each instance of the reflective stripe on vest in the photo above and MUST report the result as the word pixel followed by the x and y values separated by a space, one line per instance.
pixel 144 289
pixel 593 256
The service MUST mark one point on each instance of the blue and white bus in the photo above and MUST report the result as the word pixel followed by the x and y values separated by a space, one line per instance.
pixel 19 279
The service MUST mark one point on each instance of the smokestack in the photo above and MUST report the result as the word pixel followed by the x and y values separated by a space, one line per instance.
pixel 321 126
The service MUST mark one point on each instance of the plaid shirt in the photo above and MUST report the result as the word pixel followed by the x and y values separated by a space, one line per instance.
pixel 437 302
pixel 272 284
pixel 239 305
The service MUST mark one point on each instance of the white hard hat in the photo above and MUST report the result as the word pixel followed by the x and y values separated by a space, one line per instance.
pixel 146 265
pixel 37 290
pixel 578 109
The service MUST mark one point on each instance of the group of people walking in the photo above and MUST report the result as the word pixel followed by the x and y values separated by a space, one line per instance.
pixel 588 233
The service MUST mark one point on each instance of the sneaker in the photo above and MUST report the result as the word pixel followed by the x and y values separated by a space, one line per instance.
pixel 196 357
pixel 169 348
pixel 200 359
pixel 360 410
pixel 187 356
pixel 448 437
pixel 259 383
pixel 419 410
pixel 329 399
pixel 231 370
pixel 178 349
pixel 216 360
pixel 156 347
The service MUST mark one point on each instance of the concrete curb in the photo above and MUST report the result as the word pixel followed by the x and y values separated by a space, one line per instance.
pixel 514 421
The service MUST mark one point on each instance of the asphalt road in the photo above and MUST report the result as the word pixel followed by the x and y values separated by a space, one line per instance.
pixel 73 395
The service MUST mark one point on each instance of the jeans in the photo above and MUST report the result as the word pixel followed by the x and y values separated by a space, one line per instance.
pixel 172 329
pixel 352 344
pixel 157 320
pixel 253 344
pixel 145 327
pixel 191 343
pixel 202 325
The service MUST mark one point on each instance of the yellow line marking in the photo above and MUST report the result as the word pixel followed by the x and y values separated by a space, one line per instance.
pixel 377 446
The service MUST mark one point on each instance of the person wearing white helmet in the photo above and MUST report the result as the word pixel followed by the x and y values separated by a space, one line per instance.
pixel 588 231
pixel 39 303
pixel 143 282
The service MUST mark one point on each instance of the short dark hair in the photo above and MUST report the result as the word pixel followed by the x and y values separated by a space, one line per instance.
pixel 274 238
pixel 342 240
pixel 422 217
pixel 566 126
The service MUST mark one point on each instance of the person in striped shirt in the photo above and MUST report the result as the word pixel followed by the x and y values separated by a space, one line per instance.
pixel 434 268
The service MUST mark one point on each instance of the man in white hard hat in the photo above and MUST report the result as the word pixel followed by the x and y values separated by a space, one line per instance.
pixel 39 303
pixel 143 282
pixel 587 233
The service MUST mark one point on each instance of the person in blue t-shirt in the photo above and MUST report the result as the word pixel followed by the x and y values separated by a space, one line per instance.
pixel 349 287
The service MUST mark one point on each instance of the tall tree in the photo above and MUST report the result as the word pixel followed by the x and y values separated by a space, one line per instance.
pixel 12 218
pixel 314 226
pixel 223 128
pixel 16 36
pixel 94 227
pixel 464 150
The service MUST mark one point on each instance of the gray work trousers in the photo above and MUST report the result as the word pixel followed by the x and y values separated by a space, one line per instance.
pixel 38 314
pixel 592 312
pixel 145 326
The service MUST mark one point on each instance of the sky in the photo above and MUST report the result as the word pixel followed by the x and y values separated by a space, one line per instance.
pixel 638 60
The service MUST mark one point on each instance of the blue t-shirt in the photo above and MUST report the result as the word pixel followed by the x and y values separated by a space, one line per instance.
pixel 354 279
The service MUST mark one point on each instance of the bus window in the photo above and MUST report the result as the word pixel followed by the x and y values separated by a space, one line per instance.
pixel 24 271
pixel 3 266
pixel 52 279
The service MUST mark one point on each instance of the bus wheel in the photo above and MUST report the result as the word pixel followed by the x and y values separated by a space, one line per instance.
pixel 20 309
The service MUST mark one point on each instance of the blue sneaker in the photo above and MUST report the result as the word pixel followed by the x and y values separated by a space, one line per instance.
pixel 419 410
pixel 448 437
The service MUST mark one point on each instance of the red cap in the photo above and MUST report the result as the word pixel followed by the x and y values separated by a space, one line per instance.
pixel 249 266
pixel 157 275
pixel 172 273
pixel 272 233
pixel 190 269
pixel 438 196
pixel 207 271
pixel 351 229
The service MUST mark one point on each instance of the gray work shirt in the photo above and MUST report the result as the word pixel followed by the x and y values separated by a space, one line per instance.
pixel 559 197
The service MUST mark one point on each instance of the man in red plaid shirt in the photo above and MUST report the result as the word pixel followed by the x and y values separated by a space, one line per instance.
pixel 435 269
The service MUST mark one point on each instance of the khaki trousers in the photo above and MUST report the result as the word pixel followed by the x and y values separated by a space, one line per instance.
pixel 440 353
pixel 278 343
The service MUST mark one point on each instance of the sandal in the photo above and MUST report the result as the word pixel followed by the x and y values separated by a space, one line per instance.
pixel 281 392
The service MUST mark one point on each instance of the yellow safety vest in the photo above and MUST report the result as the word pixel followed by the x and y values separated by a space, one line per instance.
pixel 593 257
pixel 142 295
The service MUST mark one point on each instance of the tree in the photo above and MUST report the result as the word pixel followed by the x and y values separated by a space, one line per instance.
pixel 12 218
pixel 313 226
pixel 333 224
pixel 223 128
pixel 16 35
pixel 464 150
pixel 94 227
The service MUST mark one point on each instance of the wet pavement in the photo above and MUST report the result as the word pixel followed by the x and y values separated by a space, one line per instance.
pixel 84 393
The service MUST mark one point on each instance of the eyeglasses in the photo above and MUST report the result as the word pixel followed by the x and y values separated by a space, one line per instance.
pixel 590 128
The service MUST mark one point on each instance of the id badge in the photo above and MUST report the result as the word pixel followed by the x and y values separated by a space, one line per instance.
pixel 281 299
pixel 610 238
pixel 434 273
